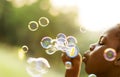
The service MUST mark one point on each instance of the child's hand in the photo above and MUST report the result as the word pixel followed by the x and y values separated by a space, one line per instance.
pixel 76 65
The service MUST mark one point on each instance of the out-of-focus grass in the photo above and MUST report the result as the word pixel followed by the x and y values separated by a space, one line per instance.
pixel 12 66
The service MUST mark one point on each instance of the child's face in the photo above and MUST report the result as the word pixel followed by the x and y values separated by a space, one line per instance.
pixel 94 58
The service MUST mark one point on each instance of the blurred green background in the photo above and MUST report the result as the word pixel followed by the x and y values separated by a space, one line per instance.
pixel 14 33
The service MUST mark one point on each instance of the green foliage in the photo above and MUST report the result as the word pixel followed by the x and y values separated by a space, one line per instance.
pixel 14 31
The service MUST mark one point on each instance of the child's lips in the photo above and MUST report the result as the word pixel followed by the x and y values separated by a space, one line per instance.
pixel 85 56
pixel 84 59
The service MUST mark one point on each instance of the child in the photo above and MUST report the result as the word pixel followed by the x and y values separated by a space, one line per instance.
pixel 95 60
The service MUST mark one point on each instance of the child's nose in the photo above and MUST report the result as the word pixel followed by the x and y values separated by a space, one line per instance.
pixel 92 47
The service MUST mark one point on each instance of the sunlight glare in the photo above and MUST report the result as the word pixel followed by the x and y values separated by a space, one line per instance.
pixel 98 15
pixel 94 15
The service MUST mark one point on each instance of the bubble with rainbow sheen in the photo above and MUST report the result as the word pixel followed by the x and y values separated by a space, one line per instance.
pixel 33 26
pixel 51 50
pixel 92 75
pixel 36 67
pixel 72 51
pixel 61 35
pixel 43 21
pixel 71 40
pixel 110 54
pixel 60 43
pixel 25 48
pixel 68 65
pixel 46 42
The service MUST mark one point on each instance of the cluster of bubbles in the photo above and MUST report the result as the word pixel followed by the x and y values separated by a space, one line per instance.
pixel 33 25
pixel 61 43
pixel 110 54
pixel 92 75
pixel 37 66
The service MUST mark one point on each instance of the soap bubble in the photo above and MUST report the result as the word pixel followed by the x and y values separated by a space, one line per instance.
pixel 110 54
pixel 72 51
pixel 25 48
pixel 60 43
pixel 33 26
pixel 92 75
pixel 51 50
pixel 71 40
pixel 43 21
pixel 37 66
pixel 61 35
pixel 46 42
pixel 82 29
pixel 68 65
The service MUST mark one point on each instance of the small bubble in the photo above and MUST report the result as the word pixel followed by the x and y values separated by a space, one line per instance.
pixel 82 29
pixel 68 65
pixel 71 40
pixel 25 48
pixel 43 21
pixel 37 66
pixel 92 75
pixel 46 42
pixel 51 50
pixel 109 54
pixel 33 26
pixel 61 35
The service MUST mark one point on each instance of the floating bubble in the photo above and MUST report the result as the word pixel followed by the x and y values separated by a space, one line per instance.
pixel 46 42
pixel 92 75
pixel 61 35
pixel 25 48
pixel 110 54
pixel 43 21
pixel 51 50
pixel 33 26
pixel 72 51
pixel 71 40
pixel 37 66
pixel 82 29
pixel 68 65
pixel 60 43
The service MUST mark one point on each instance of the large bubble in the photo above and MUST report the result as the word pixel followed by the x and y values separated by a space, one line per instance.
pixel 68 65
pixel 33 26
pixel 72 51
pixel 92 75
pixel 43 21
pixel 37 66
pixel 110 54
pixel 46 42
